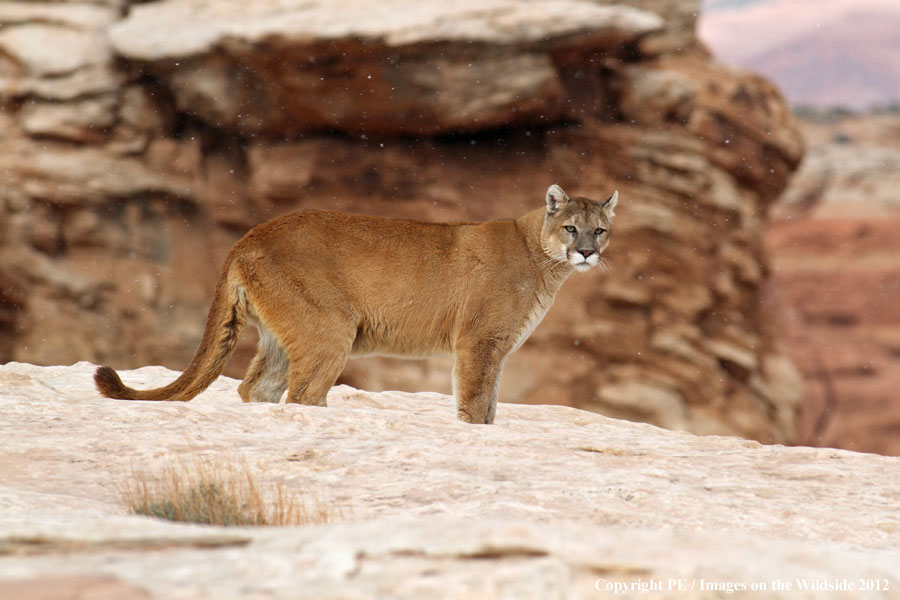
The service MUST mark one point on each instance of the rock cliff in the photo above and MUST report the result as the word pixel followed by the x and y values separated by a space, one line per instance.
pixel 551 502
pixel 836 280
pixel 141 140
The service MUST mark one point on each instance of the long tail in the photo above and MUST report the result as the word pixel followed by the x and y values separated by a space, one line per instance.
pixel 226 320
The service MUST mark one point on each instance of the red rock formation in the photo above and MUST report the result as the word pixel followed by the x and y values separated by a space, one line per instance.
pixel 200 120
pixel 835 247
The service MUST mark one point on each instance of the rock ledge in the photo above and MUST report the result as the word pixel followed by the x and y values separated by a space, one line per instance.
pixel 540 505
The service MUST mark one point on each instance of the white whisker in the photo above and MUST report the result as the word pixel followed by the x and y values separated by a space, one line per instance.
pixel 604 264
pixel 552 261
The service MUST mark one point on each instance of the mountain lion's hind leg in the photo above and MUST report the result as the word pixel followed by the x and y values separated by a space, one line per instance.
pixel 314 335
pixel 267 376
pixel 313 372
pixel 317 347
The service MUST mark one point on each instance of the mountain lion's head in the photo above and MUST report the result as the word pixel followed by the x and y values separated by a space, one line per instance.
pixel 576 230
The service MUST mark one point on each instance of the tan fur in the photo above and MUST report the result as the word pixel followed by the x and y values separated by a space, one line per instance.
pixel 323 286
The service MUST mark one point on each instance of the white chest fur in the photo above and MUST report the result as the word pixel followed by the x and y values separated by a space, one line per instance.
pixel 535 316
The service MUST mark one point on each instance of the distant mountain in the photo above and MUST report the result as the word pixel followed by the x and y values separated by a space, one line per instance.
pixel 821 53
pixel 726 4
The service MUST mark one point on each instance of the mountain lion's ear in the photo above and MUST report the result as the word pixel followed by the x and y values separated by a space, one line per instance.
pixel 555 198
pixel 609 204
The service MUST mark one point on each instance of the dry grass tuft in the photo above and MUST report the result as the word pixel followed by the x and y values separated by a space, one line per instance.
pixel 219 493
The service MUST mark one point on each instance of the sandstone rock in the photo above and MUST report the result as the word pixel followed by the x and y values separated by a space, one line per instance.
pixel 298 66
pixel 80 121
pixel 540 505
pixel 70 51
pixel 281 172
pixel 72 588
pixel 836 278
pixel 182 158
pixel 653 95
pixel 742 357
pixel 71 14
pixel 659 404
pixel 65 176
pixel 57 62
pixel 174 29
pixel 852 167
pixel 678 35
pixel 88 81
pixel 142 120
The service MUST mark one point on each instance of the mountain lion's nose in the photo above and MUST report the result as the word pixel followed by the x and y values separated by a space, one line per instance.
pixel 585 253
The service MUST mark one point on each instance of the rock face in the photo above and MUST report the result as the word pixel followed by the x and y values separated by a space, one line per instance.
pixel 134 159
pixel 836 276
pixel 550 502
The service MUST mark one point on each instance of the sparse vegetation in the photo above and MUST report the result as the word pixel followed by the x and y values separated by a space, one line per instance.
pixel 218 493
pixel 819 114
pixel 833 114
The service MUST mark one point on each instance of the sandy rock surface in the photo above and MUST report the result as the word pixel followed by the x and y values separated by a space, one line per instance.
pixel 541 505
pixel 172 29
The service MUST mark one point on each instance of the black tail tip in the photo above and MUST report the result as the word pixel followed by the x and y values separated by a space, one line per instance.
pixel 109 384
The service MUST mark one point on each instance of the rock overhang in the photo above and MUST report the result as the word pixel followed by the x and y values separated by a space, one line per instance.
pixel 397 67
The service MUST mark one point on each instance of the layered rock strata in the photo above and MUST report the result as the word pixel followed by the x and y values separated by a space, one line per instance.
pixel 835 281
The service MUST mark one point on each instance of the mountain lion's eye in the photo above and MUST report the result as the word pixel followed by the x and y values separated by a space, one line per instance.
pixel 599 231
pixel 569 228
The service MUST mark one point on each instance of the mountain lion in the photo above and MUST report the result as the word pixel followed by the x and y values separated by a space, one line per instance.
pixel 323 286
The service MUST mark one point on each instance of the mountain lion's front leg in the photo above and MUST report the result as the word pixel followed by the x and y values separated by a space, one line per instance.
pixel 476 377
